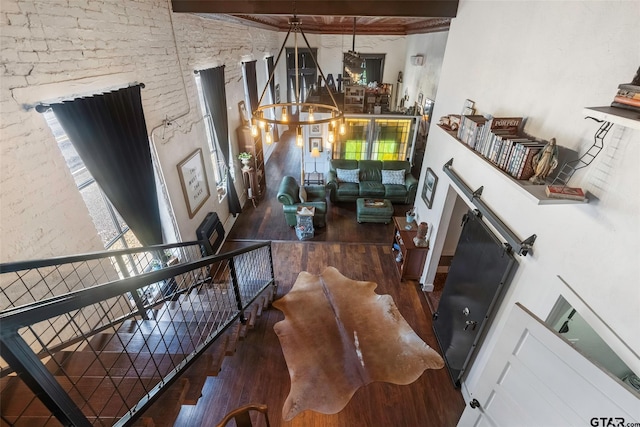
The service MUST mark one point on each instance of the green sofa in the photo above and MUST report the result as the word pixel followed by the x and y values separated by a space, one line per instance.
pixel 370 185
pixel 289 196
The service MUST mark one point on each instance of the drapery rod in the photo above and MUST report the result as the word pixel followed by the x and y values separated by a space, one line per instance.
pixel 521 247
pixel 41 108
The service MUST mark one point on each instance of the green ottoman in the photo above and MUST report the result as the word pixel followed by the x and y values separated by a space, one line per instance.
pixel 374 210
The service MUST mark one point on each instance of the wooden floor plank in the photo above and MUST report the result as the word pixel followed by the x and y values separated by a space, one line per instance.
pixel 257 372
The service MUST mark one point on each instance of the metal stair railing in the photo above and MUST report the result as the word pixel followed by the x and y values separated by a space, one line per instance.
pixel 24 282
pixel 94 357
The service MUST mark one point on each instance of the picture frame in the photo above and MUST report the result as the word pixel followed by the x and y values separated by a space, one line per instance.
pixel 244 114
pixel 429 187
pixel 193 178
pixel 315 142
pixel 315 129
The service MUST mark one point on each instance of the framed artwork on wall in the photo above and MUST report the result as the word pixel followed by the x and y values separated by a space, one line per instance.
pixel 315 129
pixel 244 114
pixel 315 142
pixel 429 188
pixel 193 179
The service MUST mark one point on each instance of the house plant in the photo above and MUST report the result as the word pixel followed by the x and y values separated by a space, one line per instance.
pixel 244 158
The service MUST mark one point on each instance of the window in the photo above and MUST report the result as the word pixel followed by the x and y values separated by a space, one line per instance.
pixel 112 229
pixel 376 139
pixel 219 166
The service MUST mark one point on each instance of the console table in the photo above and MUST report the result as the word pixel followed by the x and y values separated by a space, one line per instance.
pixel 411 258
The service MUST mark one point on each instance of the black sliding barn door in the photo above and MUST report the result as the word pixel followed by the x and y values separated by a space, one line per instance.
pixel 478 274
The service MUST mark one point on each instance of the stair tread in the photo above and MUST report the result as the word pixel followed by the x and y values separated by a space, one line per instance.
pixel 106 403
pixel 166 408
pixel 84 363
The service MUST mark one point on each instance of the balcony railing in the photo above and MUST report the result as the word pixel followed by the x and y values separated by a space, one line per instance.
pixel 97 346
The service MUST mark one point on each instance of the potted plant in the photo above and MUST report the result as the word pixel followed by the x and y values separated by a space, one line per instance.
pixel 244 158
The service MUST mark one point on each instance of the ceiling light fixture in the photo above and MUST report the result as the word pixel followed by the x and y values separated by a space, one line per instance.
pixel 314 110
pixel 353 63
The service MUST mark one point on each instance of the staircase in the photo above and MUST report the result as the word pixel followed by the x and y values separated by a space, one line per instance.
pixel 97 356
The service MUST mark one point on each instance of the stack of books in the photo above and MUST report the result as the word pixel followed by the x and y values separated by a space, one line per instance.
pixel 500 141
pixel 564 192
pixel 628 95
pixel 470 129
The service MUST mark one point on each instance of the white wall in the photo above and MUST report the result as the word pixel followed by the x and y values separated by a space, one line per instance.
pixel 423 78
pixel 546 61
pixel 331 48
pixel 52 51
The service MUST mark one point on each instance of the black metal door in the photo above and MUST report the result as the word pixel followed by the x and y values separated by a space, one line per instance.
pixel 478 274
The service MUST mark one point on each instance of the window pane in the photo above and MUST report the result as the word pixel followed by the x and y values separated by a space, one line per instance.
pixel 219 166
pixel 354 144
pixel 99 213
pixel 391 141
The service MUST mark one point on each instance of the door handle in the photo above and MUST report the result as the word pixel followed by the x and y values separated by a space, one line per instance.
pixel 470 323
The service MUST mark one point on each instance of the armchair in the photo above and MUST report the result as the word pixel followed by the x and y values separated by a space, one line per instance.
pixel 289 196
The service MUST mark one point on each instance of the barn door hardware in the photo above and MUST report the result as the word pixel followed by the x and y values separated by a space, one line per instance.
pixel 521 247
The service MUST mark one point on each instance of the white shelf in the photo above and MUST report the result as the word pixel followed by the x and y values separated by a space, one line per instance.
pixel 619 116
pixel 535 193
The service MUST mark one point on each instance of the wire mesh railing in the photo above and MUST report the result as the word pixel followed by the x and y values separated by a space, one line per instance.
pixel 24 282
pixel 95 357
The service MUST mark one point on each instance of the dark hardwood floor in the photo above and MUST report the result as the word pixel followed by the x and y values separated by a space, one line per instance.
pixel 257 372
pixel 266 220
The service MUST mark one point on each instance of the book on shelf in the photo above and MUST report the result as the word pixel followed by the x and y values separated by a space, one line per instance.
pixel 470 126
pixel 525 169
pixel 628 101
pixel 625 106
pixel 629 86
pixel 629 93
pixel 564 192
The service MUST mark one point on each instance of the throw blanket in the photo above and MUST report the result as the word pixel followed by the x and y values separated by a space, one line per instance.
pixel 339 335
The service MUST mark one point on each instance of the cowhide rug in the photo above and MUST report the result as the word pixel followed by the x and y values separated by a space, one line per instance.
pixel 339 335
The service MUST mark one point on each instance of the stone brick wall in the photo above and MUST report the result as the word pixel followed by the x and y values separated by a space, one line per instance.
pixel 52 49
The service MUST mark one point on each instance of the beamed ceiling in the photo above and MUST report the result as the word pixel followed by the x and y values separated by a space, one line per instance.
pixel 373 17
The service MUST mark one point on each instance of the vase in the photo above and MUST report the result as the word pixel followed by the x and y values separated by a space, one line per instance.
pixel 245 163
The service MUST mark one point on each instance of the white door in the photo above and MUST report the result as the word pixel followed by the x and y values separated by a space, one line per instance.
pixel 536 379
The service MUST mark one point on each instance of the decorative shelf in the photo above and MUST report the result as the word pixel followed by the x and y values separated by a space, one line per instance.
pixel 619 116
pixel 535 193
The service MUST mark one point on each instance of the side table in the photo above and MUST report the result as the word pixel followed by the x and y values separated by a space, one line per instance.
pixel 313 178
pixel 249 179
pixel 304 222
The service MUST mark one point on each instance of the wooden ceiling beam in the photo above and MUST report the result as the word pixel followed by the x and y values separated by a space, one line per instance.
pixel 394 8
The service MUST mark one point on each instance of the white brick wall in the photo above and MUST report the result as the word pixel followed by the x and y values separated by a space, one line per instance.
pixel 55 43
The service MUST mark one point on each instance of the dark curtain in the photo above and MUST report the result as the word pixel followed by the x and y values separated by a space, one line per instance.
pixel 251 83
pixel 215 99
pixel 374 70
pixel 272 83
pixel 110 134
pixel 272 89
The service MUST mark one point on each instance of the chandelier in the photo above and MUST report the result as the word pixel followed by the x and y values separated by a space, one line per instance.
pixel 317 113
pixel 353 63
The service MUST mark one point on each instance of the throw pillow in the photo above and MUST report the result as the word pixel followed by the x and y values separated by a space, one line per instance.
pixel 348 175
pixel 302 194
pixel 393 177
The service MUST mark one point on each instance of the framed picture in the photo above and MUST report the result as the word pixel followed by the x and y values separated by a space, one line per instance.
pixel 420 98
pixel 429 188
pixel 315 129
pixel 193 178
pixel 244 114
pixel 315 143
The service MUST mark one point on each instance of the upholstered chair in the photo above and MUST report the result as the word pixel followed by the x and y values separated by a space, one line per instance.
pixel 289 194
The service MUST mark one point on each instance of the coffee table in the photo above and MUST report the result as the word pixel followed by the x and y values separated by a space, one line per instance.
pixel 374 210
